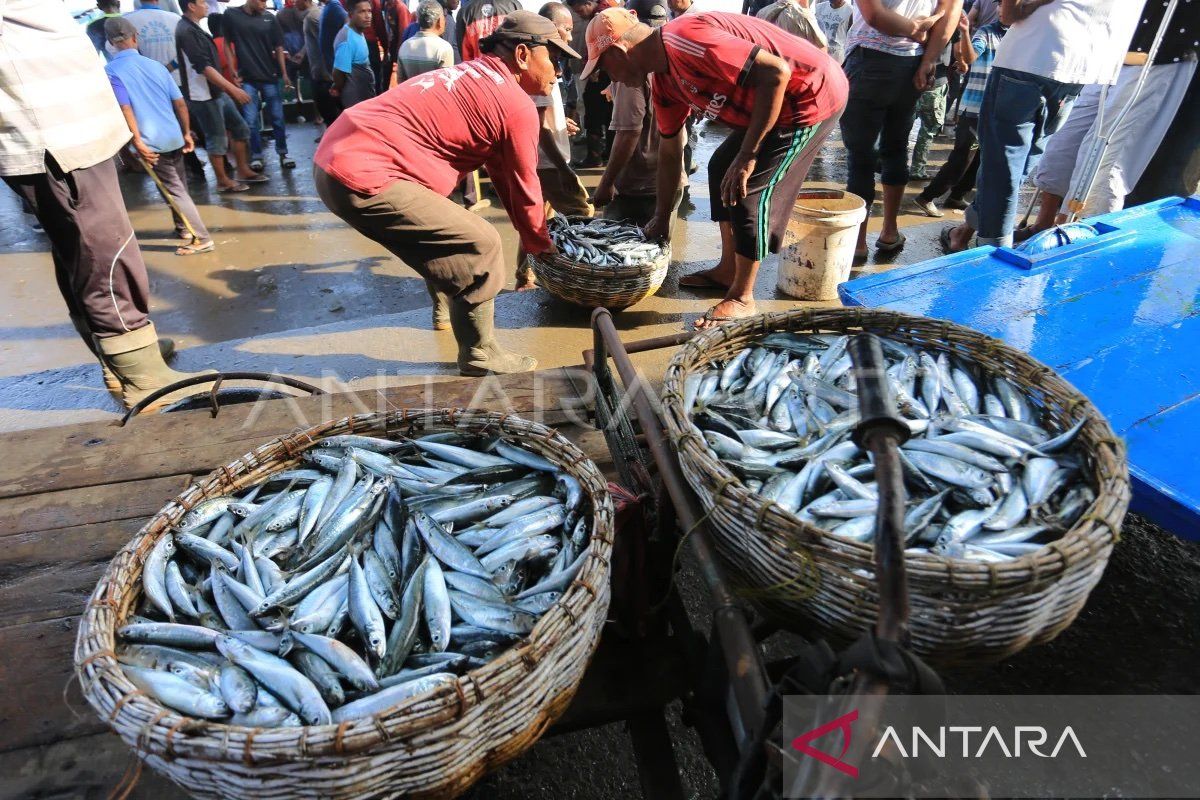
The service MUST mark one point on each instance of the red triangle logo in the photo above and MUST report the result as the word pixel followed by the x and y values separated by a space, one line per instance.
pixel 842 724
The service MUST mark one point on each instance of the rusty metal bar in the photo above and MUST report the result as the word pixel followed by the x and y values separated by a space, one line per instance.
pixel 644 345
pixel 747 676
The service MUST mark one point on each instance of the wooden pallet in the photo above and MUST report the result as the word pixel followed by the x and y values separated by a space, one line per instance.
pixel 71 496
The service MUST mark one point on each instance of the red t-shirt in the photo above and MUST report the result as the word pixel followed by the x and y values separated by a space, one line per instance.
pixel 709 57
pixel 437 127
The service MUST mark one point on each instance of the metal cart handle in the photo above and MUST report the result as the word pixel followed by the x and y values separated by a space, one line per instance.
pixel 216 379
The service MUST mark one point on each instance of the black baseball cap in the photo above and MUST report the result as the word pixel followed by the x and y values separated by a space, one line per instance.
pixel 526 27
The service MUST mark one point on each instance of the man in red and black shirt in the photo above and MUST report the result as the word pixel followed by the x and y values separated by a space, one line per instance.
pixel 388 164
pixel 780 94
pixel 477 19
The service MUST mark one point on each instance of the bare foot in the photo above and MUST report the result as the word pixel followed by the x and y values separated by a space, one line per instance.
pixel 725 311
pixel 718 277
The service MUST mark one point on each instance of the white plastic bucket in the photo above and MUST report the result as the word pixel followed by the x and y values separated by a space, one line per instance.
pixel 818 247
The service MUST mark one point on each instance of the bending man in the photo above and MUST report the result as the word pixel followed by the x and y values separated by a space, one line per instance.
pixel 782 97
pixel 388 165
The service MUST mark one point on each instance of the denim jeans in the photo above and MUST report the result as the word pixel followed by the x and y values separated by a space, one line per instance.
pixel 881 109
pixel 1019 111
pixel 267 92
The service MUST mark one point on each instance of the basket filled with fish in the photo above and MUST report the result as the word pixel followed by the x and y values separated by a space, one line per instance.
pixel 601 262
pixel 1015 484
pixel 388 604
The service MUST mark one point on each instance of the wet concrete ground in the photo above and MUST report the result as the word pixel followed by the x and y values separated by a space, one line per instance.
pixel 291 289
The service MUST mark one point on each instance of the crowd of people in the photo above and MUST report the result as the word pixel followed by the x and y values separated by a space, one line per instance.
pixel 413 103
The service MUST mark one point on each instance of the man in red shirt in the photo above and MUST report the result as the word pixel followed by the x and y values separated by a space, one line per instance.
pixel 781 95
pixel 388 165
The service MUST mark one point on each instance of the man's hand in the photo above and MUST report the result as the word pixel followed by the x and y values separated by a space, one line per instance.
pixel 603 194
pixel 734 186
pixel 237 81
pixel 925 76
pixel 657 229
pixel 147 155
pixel 239 96
pixel 287 83
pixel 572 127
pixel 923 25
pixel 189 144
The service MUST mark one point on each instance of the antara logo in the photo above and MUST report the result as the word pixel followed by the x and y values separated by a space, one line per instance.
pixel 842 724
pixel 918 742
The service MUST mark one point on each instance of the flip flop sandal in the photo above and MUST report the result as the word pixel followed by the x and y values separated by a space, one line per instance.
pixel 890 247
pixel 256 165
pixel 287 163
pixel 255 179
pixel 698 280
pixel 235 189
pixel 709 316
pixel 944 240
pixel 196 249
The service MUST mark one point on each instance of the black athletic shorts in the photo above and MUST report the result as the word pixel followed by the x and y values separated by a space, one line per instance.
pixel 781 165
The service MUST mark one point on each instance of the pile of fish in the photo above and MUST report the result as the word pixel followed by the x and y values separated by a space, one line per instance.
pixel 378 571
pixel 601 242
pixel 985 478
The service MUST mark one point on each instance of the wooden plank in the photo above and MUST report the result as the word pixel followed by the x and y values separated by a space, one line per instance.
pixel 87 768
pixel 88 454
pixel 50 511
pixel 45 576
pixel 41 702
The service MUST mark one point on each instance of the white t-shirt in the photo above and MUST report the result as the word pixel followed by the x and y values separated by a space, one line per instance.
pixel 863 35
pixel 835 23
pixel 156 36
pixel 558 124
pixel 1072 41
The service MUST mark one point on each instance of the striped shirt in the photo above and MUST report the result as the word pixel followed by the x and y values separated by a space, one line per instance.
pixel 423 53
pixel 985 41
pixel 54 96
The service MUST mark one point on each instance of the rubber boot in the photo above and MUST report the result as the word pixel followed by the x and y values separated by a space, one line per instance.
pixel 478 351
pixel 111 382
pixel 441 308
pixel 136 361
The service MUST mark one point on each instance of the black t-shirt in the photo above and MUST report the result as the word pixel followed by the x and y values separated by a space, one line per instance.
pixel 255 37
pixel 1180 41
pixel 201 52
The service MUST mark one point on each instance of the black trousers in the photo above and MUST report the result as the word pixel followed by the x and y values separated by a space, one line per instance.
pixel 957 175
pixel 881 109
pixel 328 106
pixel 597 110
pixel 97 261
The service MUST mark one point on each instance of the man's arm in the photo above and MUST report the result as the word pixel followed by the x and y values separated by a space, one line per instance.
pixel 148 155
pixel 281 57
pixel 670 173
pixel 768 78
pixel 948 12
pixel 1013 11
pixel 623 146
pixel 215 77
pixel 885 20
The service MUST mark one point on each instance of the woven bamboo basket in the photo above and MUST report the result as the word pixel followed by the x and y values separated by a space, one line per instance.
pixel 589 286
pixel 432 745
pixel 962 612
